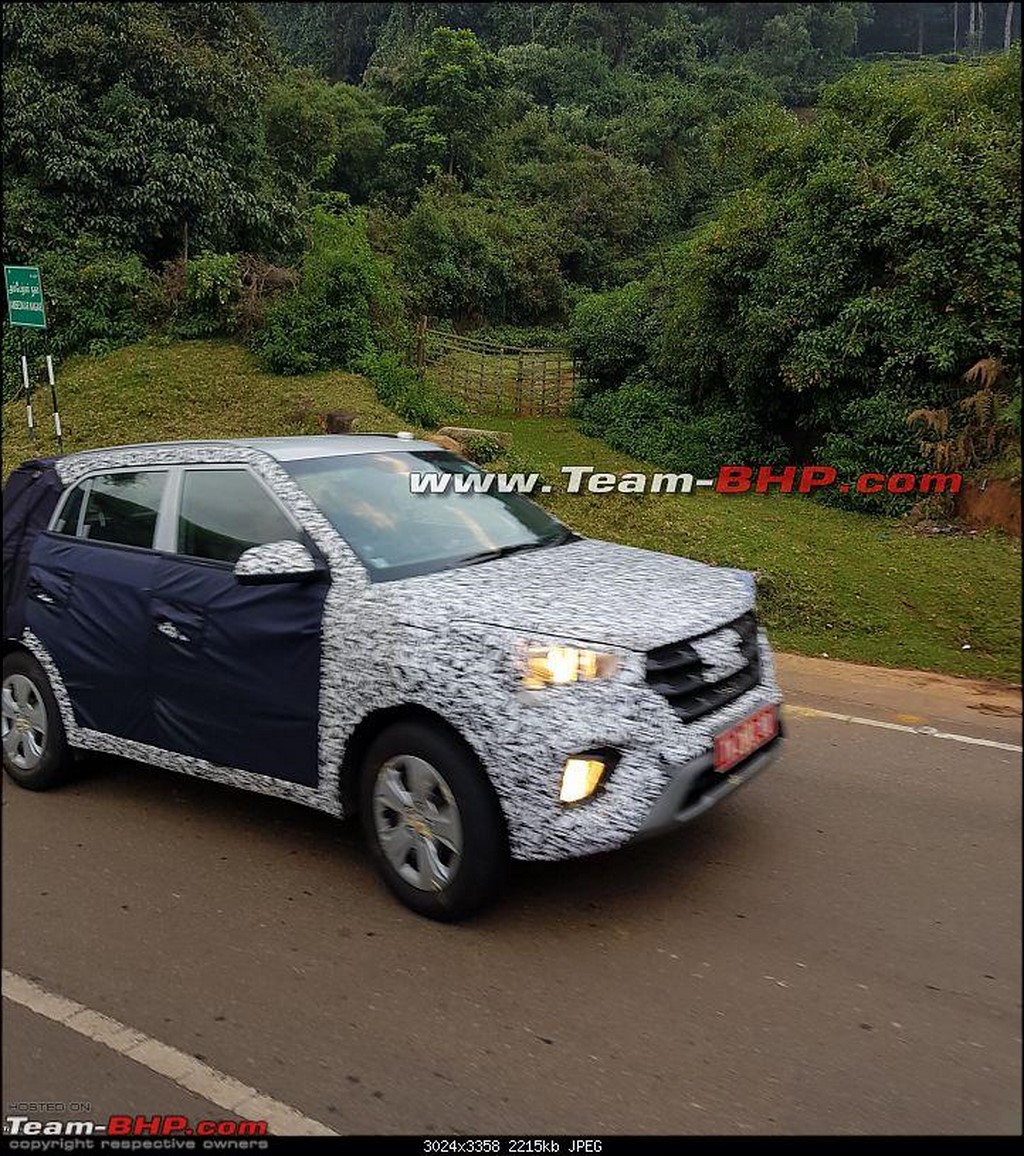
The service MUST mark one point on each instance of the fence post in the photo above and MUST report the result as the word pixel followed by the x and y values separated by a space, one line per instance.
pixel 559 389
pixel 421 342
pixel 483 361
pixel 519 385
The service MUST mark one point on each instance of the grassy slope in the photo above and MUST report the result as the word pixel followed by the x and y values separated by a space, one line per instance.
pixel 853 587
pixel 158 391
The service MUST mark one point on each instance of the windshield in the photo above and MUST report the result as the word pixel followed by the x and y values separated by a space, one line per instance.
pixel 396 533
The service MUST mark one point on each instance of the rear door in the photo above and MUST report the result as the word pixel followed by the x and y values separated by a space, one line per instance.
pixel 88 597
pixel 235 668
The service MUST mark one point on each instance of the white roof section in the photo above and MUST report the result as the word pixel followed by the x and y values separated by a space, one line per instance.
pixel 294 449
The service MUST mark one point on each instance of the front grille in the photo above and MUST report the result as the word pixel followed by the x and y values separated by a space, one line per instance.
pixel 678 672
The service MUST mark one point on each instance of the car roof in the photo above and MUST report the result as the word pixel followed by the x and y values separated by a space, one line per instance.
pixel 292 449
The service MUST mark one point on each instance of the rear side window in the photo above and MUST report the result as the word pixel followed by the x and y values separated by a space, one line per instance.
pixel 225 512
pixel 121 508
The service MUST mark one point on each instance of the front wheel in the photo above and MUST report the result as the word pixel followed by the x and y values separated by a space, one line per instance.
pixel 433 822
pixel 35 747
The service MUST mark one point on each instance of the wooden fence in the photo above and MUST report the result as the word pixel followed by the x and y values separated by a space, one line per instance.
pixel 491 378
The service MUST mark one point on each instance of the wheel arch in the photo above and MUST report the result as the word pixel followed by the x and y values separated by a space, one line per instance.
pixel 374 724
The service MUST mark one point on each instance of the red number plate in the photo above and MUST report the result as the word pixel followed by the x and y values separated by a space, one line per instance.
pixel 733 746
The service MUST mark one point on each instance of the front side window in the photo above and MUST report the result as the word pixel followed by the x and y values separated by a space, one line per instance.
pixel 225 512
pixel 70 513
pixel 120 508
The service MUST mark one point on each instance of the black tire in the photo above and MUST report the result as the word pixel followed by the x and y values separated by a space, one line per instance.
pixel 55 764
pixel 483 864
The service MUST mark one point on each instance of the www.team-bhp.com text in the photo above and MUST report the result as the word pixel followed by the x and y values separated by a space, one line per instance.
pixel 730 480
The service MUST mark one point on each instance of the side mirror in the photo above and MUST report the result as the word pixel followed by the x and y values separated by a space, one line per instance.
pixel 277 562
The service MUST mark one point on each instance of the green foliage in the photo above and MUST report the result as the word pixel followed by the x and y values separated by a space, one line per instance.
pixel 212 290
pixel 133 121
pixel 344 307
pixel 872 436
pixel 440 107
pixel 324 135
pixel 404 389
pixel 879 252
pixel 731 229
pixel 461 257
pixel 643 420
pixel 485 447
pixel 612 335
pixel 97 299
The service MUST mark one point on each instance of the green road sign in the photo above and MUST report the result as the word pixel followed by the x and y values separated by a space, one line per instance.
pixel 25 296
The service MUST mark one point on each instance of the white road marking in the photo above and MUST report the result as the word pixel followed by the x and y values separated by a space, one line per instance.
pixel 179 1067
pixel 929 732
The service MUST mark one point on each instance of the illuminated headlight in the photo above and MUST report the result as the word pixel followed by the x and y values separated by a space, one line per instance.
pixel 558 665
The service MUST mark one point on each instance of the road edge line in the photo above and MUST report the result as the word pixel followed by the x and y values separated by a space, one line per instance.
pixel 179 1067
pixel 800 711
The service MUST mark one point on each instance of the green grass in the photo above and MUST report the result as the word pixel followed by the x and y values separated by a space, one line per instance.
pixel 850 586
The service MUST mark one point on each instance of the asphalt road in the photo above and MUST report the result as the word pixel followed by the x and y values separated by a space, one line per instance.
pixel 835 949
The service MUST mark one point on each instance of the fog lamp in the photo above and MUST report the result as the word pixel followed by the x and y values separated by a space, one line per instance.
pixel 580 779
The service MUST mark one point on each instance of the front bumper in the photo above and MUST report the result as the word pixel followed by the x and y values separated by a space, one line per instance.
pixel 695 787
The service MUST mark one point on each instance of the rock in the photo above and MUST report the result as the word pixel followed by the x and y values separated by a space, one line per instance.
pixel 338 421
pixel 479 445
pixel 446 443
pixel 465 433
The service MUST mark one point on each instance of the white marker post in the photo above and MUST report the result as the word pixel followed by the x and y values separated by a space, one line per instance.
pixel 28 397
pixel 26 308
pixel 53 398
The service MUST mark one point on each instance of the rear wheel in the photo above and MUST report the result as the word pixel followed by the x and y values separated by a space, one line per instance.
pixel 433 822
pixel 35 749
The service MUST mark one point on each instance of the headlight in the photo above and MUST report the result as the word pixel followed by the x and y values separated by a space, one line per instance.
pixel 557 665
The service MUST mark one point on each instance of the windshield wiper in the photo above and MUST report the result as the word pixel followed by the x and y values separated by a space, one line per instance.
pixel 557 539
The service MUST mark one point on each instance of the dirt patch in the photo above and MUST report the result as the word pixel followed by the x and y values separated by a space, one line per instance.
pixel 991 503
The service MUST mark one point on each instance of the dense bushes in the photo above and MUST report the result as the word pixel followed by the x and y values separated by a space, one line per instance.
pixel 872 435
pixel 212 288
pixel 644 420
pixel 405 390
pixel 466 258
pixel 345 307
pixel 613 334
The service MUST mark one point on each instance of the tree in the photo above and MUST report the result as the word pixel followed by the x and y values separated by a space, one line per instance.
pixel 137 121
pixel 458 82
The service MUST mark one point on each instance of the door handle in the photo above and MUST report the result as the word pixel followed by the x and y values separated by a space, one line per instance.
pixel 167 628
pixel 51 589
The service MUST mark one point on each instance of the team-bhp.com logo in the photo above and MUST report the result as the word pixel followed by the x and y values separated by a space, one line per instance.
pixel 730 480
pixel 28 1128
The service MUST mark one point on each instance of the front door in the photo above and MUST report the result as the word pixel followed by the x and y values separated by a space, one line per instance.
pixel 235 668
